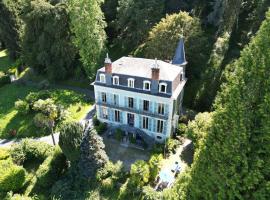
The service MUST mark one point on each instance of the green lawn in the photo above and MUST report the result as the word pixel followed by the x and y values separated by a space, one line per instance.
pixel 10 119
pixel 5 62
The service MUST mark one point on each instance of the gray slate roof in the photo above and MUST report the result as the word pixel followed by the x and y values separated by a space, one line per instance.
pixel 141 67
pixel 180 56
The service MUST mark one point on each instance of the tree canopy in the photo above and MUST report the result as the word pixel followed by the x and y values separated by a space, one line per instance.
pixel 233 161
pixel 47 43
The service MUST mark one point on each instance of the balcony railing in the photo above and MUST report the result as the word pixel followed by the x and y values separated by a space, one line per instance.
pixel 133 110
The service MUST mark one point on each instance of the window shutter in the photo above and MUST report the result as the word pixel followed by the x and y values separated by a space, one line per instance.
pixel 154 125
pixel 166 111
pixel 126 102
pixel 100 112
pixel 121 117
pixel 165 127
pixel 151 107
pixel 140 121
pixel 141 104
pixel 150 124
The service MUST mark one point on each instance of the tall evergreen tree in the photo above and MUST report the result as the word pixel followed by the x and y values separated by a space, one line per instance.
pixel 47 45
pixel 234 159
pixel 88 27
pixel 11 26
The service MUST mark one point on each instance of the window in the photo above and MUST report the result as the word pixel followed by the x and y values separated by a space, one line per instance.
pixel 145 123
pixel 181 77
pixel 131 82
pixel 130 102
pixel 103 97
pixel 161 108
pixel 163 87
pixel 102 78
pixel 117 115
pixel 145 105
pixel 160 126
pixel 116 80
pixel 104 113
pixel 147 85
pixel 115 99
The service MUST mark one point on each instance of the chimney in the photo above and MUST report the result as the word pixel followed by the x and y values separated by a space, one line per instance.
pixel 108 65
pixel 155 71
pixel 155 78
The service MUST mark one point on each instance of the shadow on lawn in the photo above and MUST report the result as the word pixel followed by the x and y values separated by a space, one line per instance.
pixel 24 127
pixel 188 154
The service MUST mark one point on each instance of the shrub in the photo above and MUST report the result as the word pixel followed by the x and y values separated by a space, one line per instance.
pixel 42 121
pixel 12 176
pixel 4 153
pixel 171 145
pixel 148 193
pixel 47 107
pixel 101 128
pixel 107 184
pixel 32 97
pixel 115 171
pixel 158 148
pixel 51 169
pixel 11 196
pixel 22 107
pixel 154 165
pixel 139 173
pixel 132 139
pixel 70 139
pixel 96 122
pixel 29 149
pixel 181 129
pixel 4 79
pixel 119 134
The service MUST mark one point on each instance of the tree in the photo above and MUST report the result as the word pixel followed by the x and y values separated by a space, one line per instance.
pixel 234 160
pixel 164 37
pixel 154 165
pixel 47 45
pixel 135 19
pixel 139 173
pixel 70 139
pixel 11 26
pixel 93 156
pixel 88 29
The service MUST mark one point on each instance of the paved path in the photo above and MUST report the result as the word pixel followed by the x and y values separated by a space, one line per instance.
pixel 87 120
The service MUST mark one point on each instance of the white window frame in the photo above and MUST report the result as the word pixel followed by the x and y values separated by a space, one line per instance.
pixel 161 107
pixel 144 124
pixel 102 78
pixel 158 128
pixel 131 82
pixel 146 82
pixel 115 116
pixel 114 80
pixel 162 84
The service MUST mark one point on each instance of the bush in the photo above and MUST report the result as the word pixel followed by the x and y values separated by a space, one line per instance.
pixel 181 129
pixel 4 79
pixel 28 150
pixel 115 171
pixel 12 176
pixel 42 121
pixel 51 169
pixel 139 173
pixel 119 134
pixel 11 196
pixel 148 193
pixel 107 184
pixel 32 97
pixel 70 139
pixel 171 145
pixel 101 128
pixel 22 107
pixel 132 139
pixel 4 153
pixel 154 165
pixel 158 148
pixel 96 122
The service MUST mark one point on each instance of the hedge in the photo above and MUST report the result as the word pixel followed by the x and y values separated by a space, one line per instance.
pixel 12 176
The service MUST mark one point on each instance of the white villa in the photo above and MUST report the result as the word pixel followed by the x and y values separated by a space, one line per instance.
pixel 142 96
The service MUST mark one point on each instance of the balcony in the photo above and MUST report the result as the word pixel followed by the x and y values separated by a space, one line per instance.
pixel 133 110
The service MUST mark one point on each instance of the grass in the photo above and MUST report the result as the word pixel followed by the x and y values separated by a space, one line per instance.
pixel 10 119
pixel 5 62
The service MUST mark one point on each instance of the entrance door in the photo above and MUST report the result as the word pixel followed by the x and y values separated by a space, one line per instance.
pixel 130 119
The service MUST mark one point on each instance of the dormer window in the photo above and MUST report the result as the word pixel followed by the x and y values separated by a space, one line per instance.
pixel 116 80
pixel 102 78
pixel 147 85
pixel 131 82
pixel 163 88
